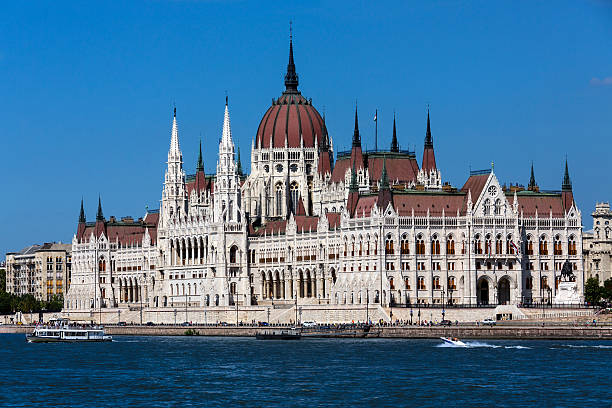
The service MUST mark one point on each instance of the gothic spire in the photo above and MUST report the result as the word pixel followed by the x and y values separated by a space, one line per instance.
pixel 227 130
pixel 291 77
pixel 394 144
pixel 428 139
pixel 100 215
pixel 567 183
pixel 82 214
pixel 175 149
pixel 239 170
pixel 532 182
pixel 384 179
pixel 356 137
pixel 353 186
pixel 200 165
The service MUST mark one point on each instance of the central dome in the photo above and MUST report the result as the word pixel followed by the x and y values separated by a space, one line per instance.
pixel 291 118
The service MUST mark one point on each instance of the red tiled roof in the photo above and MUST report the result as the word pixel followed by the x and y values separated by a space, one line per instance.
pixel 475 184
pixel 269 228
pixel 333 219
pixel 434 202
pixel 123 232
pixel 543 203
pixel 429 159
pixel 365 204
pixel 402 168
pixel 306 223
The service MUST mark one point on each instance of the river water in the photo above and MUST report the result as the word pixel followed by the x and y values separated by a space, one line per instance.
pixel 212 371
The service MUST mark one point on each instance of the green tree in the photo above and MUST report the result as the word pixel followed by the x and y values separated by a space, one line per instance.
pixel 2 281
pixel 592 291
pixel 55 304
pixel 606 291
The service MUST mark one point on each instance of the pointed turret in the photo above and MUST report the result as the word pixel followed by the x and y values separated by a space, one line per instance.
pixel 100 227
pixel 175 149
pixel 291 77
pixel 82 214
pixel 384 192
pixel 82 221
pixel 566 190
pixel 200 165
pixel 226 137
pixel 239 169
pixel 429 158
pixel 353 195
pixel 394 144
pixel 356 137
pixel 532 186
pixel 356 152
pixel 99 215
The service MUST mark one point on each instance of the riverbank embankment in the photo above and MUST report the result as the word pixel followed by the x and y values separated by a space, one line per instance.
pixel 516 332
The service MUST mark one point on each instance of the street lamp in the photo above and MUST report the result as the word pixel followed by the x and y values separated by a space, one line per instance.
pixel 175 316
pixel 118 316
pixel 411 316
pixel 443 304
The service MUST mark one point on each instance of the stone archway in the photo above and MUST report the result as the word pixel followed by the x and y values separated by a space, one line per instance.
pixel 482 292
pixel 503 291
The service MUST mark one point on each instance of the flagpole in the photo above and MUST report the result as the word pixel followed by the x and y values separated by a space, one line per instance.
pixel 376 131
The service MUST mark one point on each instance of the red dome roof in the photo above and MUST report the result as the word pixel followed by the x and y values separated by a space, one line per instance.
pixel 291 117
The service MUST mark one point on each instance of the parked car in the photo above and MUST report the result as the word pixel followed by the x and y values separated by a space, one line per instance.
pixel 309 324
pixel 122 324
pixel 185 324
pixel 488 322
pixel 150 324
pixel 446 323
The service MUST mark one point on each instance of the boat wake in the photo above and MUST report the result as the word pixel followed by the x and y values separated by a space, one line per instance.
pixel 598 346
pixel 478 344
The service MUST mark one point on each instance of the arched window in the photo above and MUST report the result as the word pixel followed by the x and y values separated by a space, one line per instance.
pixel 436 282
pixel 509 245
pixel 450 245
pixel 451 283
pixel 279 198
pixel 435 245
pixel 487 207
pixel 233 252
pixel 544 282
pixel 389 245
pixel 558 247
pixel 498 245
pixel 488 244
pixel 529 245
pixel 405 250
pixel 420 245
pixel 477 245
pixel 498 207
pixel 571 245
pixel 295 195
pixel 407 283
pixel 543 245
pixel 391 284
pixel 421 283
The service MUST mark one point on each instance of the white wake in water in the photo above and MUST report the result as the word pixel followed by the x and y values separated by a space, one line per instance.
pixel 478 344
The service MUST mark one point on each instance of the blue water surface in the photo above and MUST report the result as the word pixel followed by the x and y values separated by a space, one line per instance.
pixel 137 371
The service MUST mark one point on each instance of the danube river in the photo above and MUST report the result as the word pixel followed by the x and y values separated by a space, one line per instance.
pixel 208 371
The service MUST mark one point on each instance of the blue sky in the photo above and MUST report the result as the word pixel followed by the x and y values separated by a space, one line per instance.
pixel 86 92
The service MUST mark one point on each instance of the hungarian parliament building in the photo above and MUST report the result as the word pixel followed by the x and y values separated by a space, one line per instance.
pixel 347 228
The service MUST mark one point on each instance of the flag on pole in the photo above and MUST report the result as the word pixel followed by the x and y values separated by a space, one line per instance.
pixel 376 115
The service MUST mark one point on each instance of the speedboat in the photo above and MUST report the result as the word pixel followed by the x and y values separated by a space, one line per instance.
pixel 453 341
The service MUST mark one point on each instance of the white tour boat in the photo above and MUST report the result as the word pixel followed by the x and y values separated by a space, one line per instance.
pixel 454 341
pixel 67 334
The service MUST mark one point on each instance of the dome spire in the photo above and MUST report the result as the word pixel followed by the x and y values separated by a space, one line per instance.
pixel 394 144
pixel 567 183
pixel 291 78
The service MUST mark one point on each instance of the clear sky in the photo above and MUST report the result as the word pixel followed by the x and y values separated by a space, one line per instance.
pixel 86 92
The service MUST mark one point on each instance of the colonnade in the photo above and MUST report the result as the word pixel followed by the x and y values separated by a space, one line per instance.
pixel 189 251
pixel 304 284
pixel 129 290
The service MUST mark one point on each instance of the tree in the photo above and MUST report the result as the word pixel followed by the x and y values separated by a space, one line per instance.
pixel 2 281
pixel 607 290
pixel 592 291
